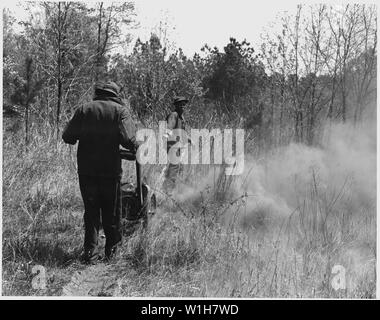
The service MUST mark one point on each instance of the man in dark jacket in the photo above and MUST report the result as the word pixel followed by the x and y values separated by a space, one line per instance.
pixel 100 127
pixel 175 120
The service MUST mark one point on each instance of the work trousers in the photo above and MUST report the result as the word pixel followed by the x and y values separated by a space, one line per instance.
pixel 173 170
pixel 101 198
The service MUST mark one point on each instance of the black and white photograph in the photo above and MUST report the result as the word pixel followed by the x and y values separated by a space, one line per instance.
pixel 189 150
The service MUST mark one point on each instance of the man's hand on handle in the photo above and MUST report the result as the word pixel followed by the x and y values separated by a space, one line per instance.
pixel 128 154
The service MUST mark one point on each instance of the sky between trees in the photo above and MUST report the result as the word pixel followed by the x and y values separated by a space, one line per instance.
pixel 191 24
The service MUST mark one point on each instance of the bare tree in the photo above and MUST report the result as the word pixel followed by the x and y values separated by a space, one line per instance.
pixel 110 21
pixel 362 69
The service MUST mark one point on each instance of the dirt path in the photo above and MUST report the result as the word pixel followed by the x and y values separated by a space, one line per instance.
pixel 101 279
pixel 97 280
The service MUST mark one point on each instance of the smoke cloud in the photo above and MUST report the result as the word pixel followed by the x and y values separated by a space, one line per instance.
pixel 344 165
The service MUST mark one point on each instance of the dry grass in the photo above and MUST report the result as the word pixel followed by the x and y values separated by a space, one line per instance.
pixel 209 241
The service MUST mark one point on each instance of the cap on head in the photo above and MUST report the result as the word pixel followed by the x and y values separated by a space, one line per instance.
pixel 110 87
pixel 180 99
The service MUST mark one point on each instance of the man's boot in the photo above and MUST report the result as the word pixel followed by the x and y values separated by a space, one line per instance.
pixel 91 256
pixel 110 252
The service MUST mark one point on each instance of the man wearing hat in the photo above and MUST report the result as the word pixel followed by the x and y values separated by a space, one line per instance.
pixel 101 126
pixel 175 120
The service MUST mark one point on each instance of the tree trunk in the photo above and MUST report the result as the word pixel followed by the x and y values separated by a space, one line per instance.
pixel 28 63
pixel 98 48
pixel 26 124
pixel 59 75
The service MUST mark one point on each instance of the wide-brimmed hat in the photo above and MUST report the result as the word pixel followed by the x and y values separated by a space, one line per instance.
pixel 110 87
pixel 179 99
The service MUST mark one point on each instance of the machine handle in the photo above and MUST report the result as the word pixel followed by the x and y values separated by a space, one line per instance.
pixel 139 183
pixel 131 156
pixel 127 154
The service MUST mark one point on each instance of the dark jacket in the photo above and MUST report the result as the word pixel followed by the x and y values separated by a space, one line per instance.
pixel 101 126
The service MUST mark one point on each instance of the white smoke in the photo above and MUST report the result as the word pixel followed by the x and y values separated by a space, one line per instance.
pixel 346 161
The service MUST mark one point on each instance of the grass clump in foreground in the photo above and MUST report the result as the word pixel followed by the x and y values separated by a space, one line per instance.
pixel 213 242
